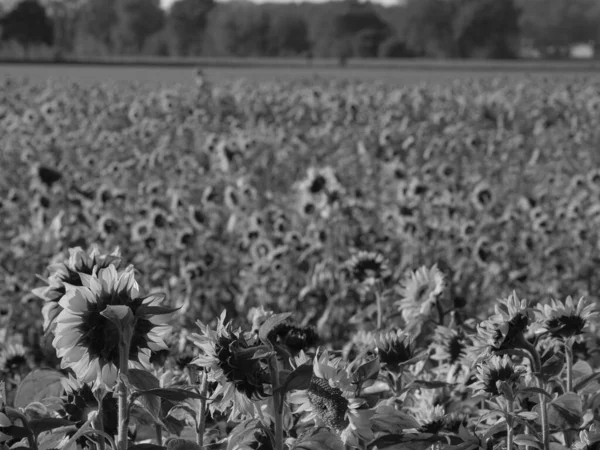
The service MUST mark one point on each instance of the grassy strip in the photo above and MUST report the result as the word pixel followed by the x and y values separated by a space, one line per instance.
pixel 377 64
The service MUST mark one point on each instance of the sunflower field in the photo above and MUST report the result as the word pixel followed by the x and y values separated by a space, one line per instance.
pixel 300 265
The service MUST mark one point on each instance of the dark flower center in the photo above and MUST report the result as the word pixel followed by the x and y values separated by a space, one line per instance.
pixel 101 337
pixel 318 184
pixel 366 268
pixel 328 403
pixel 455 348
pixel 246 374
pixel 566 326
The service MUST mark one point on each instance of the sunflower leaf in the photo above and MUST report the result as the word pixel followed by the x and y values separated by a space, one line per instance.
pixel 270 324
pixel 120 315
pixel 38 385
pixel 15 431
pixel 298 379
pixel 173 394
pixel 321 439
pixel 143 380
pixel 182 444
pixel 38 426
pixel 245 434
pixel 146 447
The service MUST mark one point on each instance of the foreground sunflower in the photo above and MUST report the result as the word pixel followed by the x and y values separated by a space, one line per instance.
pixel 88 342
pixel 420 292
pixel 237 364
pixel 330 401
pixel 565 320
pixel 66 272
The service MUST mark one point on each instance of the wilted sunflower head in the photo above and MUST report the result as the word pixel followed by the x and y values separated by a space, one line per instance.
pixel 14 359
pixel 505 329
pixel 79 401
pixel 420 291
pixel 66 272
pixel 495 371
pixel 87 341
pixel 368 268
pixel 330 401
pixel 394 348
pixel 237 363
pixel 566 320
pixel 448 345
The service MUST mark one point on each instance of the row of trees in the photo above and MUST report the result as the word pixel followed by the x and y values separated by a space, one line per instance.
pixel 433 28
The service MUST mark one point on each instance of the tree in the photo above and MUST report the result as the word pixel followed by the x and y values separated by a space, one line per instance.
pixel 359 19
pixel 428 27
pixel 27 24
pixel 288 34
pixel 553 25
pixel 187 22
pixel 98 19
pixel 486 28
pixel 139 19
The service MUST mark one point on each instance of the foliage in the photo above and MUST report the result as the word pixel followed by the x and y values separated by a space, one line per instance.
pixel 27 24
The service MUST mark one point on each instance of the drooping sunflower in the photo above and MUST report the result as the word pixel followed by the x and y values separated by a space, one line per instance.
pixel 497 370
pixel 67 272
pixel 368 268
pixel 88 342
pixel 330 400
pixel 565 320
pixel 394 348
pixel 237 364
pixel 420 292
pixel 506 328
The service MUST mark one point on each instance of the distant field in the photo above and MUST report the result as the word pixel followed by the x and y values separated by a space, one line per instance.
pixel 403 74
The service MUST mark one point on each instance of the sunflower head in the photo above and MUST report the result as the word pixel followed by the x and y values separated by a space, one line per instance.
pixel 85 338
pixel 14 359
pixel 65 272
pixel 394 348
pixel 420 292
pixel 566 320
pixel 368 268
pixel 497 376
pixel 237 362
pixel 330 401
pixel 448 344
pixel 505 329
pixel 79 401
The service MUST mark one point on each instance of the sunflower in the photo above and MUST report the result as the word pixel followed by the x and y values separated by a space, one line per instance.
pixel 88 342
pixel 505 329
pixel 237 364
pixel 420 292
pixel 79 401
pixel 494 371
pixel 448 345
pixel 330 401
pixel 67 272
pixel 394 348
pixel 565 320
pixel 368 268
pixel 482 196
pixel 14 359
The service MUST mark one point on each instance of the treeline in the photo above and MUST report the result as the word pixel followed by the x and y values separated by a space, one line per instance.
pixel 342 29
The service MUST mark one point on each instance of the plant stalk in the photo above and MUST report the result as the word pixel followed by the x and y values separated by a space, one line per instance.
pixel 569 368
pixel 277 403
pixel 202 408
pixel 509 427
pixel 122 393
pixel 536 363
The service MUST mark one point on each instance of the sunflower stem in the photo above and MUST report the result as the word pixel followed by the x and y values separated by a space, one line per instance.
pixel 569 369
pixel 31 440
pixel 122 393
pixel 509 428
pixel 202 408
pixel 536 364
pixel 158 430
pixel 379 309
pixel 277 403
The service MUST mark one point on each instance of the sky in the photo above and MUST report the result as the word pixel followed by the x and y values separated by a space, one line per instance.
pixel 166 3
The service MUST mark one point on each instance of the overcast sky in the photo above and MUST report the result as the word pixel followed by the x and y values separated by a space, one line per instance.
pixel 166 3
